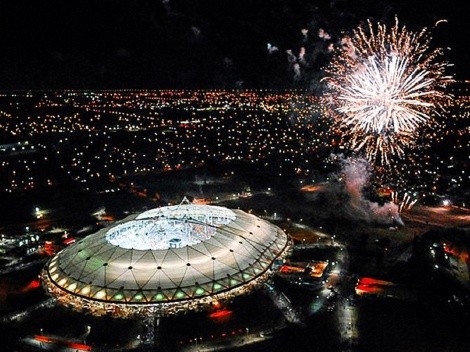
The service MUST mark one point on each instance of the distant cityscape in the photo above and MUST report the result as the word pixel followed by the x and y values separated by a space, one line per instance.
pixel 98 139
pixel 356 250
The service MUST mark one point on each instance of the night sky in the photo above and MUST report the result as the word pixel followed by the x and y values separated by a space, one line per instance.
pixel 55 44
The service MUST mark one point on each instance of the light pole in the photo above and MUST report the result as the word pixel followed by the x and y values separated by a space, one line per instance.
pixel 40 341
pixel 87 332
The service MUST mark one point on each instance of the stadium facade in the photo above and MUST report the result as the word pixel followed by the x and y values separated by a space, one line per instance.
pixel 166 261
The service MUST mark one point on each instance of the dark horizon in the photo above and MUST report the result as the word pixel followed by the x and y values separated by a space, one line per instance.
pixel 195 44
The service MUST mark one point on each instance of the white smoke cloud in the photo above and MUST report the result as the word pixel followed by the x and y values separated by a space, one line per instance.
pixel 343 197
pixel 297 73
pixel 355 175
pixel 227 62
pixel 294 62
pixel 196 31
pixel 272 48
pixel 347 45
pixel 323 34
pixel 302 55
pixel 290 56
pixel 166 5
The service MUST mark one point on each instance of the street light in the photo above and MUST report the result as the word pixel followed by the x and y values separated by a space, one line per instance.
pixel 40 341
pixel 87 332
pixel 195 341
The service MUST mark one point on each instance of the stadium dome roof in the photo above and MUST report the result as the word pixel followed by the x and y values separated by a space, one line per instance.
pixel 176 254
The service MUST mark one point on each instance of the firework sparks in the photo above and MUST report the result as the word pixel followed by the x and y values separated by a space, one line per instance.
pixel 384 84
pixel 404 204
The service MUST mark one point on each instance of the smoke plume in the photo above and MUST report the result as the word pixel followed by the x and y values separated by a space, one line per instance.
pixel 344 196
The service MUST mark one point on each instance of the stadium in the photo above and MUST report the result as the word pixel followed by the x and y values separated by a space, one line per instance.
pixel 166 261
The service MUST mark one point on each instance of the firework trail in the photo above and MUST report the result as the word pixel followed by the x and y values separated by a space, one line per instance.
pixel 404 204
pixel 384 84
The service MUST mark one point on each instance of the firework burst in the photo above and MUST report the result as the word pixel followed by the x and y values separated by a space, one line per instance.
pixel 384 84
